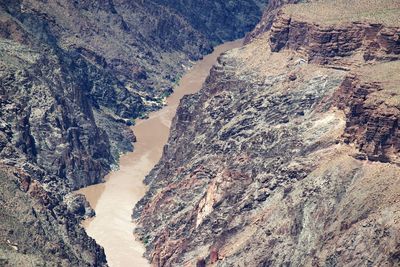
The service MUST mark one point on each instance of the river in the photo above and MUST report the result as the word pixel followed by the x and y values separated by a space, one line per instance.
pixel 114 199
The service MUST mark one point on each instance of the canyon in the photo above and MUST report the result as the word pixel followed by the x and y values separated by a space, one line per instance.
pixel 114 199
pixel 288 155
pixel 74 76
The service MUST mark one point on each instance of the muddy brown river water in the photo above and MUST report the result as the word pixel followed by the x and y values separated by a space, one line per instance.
pixel 114 200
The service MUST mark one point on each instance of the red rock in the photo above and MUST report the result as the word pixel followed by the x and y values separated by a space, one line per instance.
pixel 327 44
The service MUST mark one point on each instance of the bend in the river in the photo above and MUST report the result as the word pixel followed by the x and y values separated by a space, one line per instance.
pixel 113 200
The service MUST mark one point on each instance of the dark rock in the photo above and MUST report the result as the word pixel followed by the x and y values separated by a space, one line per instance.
pixel 73 76
pixel 292 77
pixel 293 194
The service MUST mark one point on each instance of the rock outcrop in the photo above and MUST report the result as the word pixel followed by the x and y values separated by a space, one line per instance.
pixel 100 64
pixel 225 20
pixel 39 226
pixel 329 45
pixel 73 76
pixel 288 156
pixel 372 109
pixel 269 14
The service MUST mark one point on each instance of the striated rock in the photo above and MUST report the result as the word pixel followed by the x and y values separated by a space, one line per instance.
pixel 331 45
pixel 288 156
pixel 227 21
pixel 51 121
pixel 95 67
pixel 373 112
pixel 269 14
pixel 73 76
pixel 38 227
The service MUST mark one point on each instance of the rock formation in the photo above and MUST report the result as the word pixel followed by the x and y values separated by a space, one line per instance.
pixel 289 155
pixel 40 224
pixel 73 76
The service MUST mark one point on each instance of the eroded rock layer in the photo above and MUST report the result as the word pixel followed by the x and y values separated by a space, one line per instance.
pixel 40 225
pixel 289 155
pixel 73 76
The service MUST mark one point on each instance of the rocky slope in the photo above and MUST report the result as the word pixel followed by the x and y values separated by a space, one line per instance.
pixel 40 225
pixel 268 16
pixel 289 155
pixel 108 61
pixel 218 24
pixel 73 76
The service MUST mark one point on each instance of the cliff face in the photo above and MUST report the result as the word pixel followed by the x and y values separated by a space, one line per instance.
pixel 100 64
pixel 225 20
pixel 40 225
pixel 268 16
pixel 143 43
pixel 49 144
pixel 372 112
pixel 73 76
pixel 324 44
pixel 137 42
pixel 288 156
pixel 47 111
pixel 368 95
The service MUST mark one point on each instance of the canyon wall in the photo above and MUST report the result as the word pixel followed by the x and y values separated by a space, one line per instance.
pixel 74 75
pixel 289 155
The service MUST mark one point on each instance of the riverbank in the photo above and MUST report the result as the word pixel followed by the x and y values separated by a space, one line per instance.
pixel 113 200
